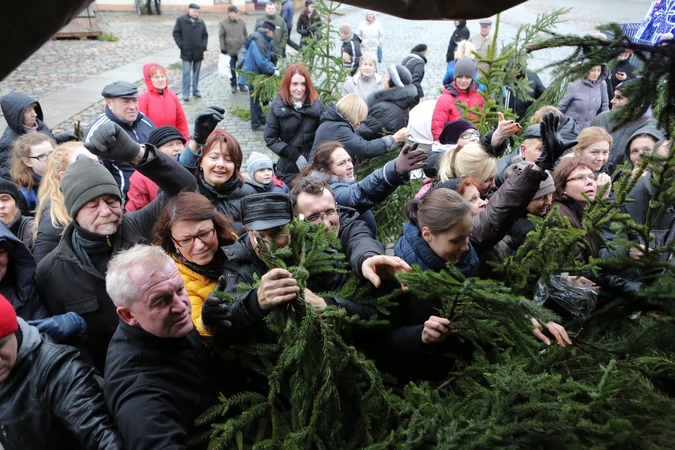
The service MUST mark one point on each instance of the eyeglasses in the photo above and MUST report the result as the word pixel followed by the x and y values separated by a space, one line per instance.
pixel 318 217
pixel 582 177
pixel 158 77
pixel 188 241
pixel 469 134
pixel 42 158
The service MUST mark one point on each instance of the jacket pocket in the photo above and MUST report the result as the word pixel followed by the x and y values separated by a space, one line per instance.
pixel 83 306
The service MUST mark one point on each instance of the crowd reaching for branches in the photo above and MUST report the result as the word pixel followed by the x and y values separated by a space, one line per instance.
pixel 397 271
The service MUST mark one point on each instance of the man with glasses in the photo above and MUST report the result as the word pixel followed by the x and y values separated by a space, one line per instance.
pixel 265 216
pixel 72 276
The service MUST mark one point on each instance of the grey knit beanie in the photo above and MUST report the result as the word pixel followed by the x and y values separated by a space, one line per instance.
pixel 258 161
pixel 84 181
pixel 465 67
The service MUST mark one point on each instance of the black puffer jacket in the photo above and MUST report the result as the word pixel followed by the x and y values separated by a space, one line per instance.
pixel 51 400
pixel 461 33
pixel 67 284
pixel 18 284
pixel 415 63
pixel 336 127
pixel 14 105
pixel 388 111
pixel 227 198
pixel 290 133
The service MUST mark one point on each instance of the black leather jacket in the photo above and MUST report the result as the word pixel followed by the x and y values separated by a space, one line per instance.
pixel 52 401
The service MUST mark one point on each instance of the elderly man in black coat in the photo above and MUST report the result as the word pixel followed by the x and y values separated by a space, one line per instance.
pixel 192 39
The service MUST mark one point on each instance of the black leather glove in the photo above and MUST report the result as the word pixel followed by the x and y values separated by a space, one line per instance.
pixel 553 144
pixel 215 313
pixel 410 159
pixel 206 122
pixel 110 141
pixel 66 137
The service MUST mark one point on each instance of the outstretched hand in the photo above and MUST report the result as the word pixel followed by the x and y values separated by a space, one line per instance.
pixel 557 331
pixel 410 158
pixel 553 144
pixel 381 267
pixel 214 311
pixel 206 122
pixel 108 140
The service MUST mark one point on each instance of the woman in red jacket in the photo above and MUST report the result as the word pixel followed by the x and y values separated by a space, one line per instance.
pixel 463 90
pixel 160 104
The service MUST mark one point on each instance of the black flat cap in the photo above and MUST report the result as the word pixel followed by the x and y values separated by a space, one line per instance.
pixel 266 210
pixel 122 89
pixel 193 6
pixel 532 132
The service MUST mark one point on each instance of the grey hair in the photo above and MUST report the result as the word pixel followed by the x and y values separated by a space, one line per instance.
pixel 149 258
pixel 369 56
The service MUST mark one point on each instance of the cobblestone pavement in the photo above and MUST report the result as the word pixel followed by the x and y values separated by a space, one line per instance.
pixel 63 63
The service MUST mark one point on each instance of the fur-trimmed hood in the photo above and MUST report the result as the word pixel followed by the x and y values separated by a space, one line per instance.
pixel 401 96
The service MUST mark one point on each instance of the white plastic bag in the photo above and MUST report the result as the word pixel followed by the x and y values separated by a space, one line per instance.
pixel 224 66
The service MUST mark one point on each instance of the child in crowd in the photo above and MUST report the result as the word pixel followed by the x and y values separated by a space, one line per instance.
pixel 261 170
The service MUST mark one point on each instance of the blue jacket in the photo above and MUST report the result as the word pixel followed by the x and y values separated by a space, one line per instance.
pixel 257 58
pixel 287 11
pixel 365 194
pixel 139 131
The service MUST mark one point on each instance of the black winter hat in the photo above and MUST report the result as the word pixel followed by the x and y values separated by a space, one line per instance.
pixel 269 26
pixel 399 75
pixel 452 130
pixel 162 135
pixel 8 187
pixel 266 210
pixel 465 67
pixel 309 2
pixel 419 48
pixel 84 181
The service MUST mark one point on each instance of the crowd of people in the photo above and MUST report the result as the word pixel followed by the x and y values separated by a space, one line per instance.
pixel 111 247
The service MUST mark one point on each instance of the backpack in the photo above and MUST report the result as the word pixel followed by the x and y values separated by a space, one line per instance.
pixel 241 56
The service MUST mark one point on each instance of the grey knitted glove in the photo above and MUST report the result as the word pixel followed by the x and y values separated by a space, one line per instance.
pixel 110 141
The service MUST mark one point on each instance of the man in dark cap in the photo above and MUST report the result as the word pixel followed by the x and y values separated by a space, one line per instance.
pixel 482 40
pixel 192 39
pixel 72 276
pixel 265 216
pixel 621 133
pixel 233 34
pixel 280 38
pixel 121 108
pixel 259 51
pixel 415 63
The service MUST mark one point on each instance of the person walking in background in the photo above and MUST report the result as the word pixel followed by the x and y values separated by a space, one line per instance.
pixel 586 96
pixel 351 48
pixel 287 12
pixel 308 23
pixel 482 40
pixel 258 60
pixel 192 39
pixel 371 34
pixel 232 33
pixel 415 63
pixel 461 33
pixel 159 103
pixel 280 37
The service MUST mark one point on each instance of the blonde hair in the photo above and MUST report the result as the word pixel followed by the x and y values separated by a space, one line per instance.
pixel 539 114
pixel 50 191
pixel 465 48
pixel 21 174
pixel 353 107
pixel 469 161
pixel 590 136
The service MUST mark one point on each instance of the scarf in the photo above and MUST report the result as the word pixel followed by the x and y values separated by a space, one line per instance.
pixel 95 250
pixel 212 270
pixel 415 250
pixel 348 37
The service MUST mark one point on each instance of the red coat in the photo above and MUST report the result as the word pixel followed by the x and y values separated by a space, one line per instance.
pixel 447 111
pixel 162 109
pixel 142 191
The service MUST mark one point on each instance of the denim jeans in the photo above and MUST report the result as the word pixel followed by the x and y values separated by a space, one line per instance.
pixel 196 67
pixel 257 116
pixel 233 65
